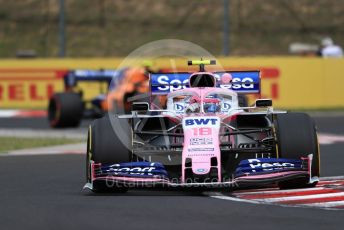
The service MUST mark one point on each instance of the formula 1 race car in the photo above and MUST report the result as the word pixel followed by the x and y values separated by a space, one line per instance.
pixel 203 138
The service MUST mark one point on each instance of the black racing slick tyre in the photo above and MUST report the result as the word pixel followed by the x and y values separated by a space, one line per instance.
pixel 65 110
pixel 107 146
pixel 297 137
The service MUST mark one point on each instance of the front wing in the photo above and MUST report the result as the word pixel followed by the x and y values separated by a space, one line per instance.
pixel 150 174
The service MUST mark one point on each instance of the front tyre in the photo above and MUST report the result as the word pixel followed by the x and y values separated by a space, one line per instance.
pixel 296 137
pixel 106 146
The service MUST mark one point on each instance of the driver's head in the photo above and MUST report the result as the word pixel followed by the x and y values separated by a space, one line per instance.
pixel 211 105
pixel 212 108
pixel 195 99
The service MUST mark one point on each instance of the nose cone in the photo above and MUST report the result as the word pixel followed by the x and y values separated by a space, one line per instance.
pixel 201 145
pixel 200 168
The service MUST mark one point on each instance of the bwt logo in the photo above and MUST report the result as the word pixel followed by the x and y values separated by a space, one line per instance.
pixel 226 106
pixel 201 121
pixel 178 107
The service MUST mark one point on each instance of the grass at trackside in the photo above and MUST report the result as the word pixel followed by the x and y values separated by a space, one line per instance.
pixel 15 143
pixel 102 28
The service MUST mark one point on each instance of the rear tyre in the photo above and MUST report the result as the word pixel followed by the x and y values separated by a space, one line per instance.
pixel 296 137
pixel 65 110
pixel 107 147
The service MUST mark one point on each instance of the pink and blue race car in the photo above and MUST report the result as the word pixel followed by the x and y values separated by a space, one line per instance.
pixel 201 137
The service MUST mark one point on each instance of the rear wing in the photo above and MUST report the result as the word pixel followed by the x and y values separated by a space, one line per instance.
pixel 72 77
pixel 243 82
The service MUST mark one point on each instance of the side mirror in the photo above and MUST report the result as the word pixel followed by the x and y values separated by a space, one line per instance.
pixel 140 106
pixel 263 102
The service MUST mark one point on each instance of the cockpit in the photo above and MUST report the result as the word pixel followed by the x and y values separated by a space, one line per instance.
pixel 202 101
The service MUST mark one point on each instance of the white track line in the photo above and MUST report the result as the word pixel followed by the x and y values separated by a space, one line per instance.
pixel 278 191
pixel 331 178
pixel 328 139
pixel 330 204
pixel 218 195
pixel 326 206
pixel 335 180
pixel 8 113
pixel 301 197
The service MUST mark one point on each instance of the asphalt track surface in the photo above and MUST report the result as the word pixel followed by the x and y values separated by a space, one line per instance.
pixel 44 192
pixel 32 123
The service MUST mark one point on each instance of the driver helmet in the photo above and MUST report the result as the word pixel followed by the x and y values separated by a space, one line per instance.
pixel 211 105
pixel 194 104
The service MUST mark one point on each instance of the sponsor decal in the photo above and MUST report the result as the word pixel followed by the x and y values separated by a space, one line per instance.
pixel 28 88
pixel 201 141
pixel 200 121
pixel 256 163
pixel 201 149
pixel 246 82
pixel 226 106
pixel 134 168
pixel 171 85
pixel 179 107
pixel 201 126
pixel 200 170
pixel 33 87
pixel 269 165
pixel 207 154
